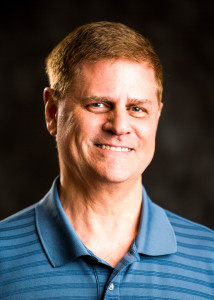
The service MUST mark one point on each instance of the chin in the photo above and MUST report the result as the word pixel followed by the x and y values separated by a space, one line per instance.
pixel 118 177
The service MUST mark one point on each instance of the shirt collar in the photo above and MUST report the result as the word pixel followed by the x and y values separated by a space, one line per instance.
pixel 156 235
pixel 62 245
pixel 58 237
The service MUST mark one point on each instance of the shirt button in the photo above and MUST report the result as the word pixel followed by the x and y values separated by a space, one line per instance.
pixel 111 287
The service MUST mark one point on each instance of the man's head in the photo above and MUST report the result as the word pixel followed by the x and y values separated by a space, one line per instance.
pixel 93 42
pixel 110 81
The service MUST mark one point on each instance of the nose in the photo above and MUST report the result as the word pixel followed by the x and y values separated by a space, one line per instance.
pixel 118 122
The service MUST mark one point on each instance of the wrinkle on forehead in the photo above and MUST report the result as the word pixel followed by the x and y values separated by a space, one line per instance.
pixel 93 77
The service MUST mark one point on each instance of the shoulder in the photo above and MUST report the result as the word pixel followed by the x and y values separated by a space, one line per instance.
pixel 192 238
pixel 182 224
pixel 17 231
pixel 19 217
pixel 20 247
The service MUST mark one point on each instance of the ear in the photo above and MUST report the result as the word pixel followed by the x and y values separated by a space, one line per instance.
pixel 160 108
pixel 50 111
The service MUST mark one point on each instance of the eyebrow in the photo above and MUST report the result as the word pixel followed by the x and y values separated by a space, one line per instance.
pixel 140 101
pixel 96 98
pixel 110 99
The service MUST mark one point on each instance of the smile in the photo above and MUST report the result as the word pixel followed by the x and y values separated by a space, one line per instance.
pixel 113 148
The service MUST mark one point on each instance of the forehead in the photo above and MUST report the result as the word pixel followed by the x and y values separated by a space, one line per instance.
pixel 116 77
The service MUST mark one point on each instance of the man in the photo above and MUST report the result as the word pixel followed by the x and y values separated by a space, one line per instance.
pixel 96 234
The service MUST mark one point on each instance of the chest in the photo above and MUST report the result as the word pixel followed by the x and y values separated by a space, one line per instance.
pixel 134 277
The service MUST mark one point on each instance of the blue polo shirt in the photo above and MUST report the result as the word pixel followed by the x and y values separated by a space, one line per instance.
pixel 42 257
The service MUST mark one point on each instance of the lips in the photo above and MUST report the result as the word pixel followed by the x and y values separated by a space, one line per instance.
pixel 114 148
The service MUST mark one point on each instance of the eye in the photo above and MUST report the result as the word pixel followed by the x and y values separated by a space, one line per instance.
pixel 137 111
pixel 98 107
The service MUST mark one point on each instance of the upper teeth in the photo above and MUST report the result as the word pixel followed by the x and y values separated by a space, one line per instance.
pixel 114 148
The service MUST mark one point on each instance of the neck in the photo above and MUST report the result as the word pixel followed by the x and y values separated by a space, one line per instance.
pixel 101 198
pixel 107 215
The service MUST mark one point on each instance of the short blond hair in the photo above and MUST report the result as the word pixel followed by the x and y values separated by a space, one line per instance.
pixel 95 41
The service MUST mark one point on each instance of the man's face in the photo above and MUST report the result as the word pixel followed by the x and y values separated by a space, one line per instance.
pixel 106 125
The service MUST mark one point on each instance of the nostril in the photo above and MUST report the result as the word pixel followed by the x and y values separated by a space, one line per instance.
pixel 118 124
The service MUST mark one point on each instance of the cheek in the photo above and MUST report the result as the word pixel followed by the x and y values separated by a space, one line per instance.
pixel 75 130
pixel 66 129
pixel 90 124
pixel 147 134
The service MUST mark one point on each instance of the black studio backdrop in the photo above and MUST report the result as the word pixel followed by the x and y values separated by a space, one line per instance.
pixel 181 176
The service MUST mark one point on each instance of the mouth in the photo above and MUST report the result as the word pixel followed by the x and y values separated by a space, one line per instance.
pixel 113 148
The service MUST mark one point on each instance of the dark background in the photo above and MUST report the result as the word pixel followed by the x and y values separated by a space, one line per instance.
pixel 181 176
